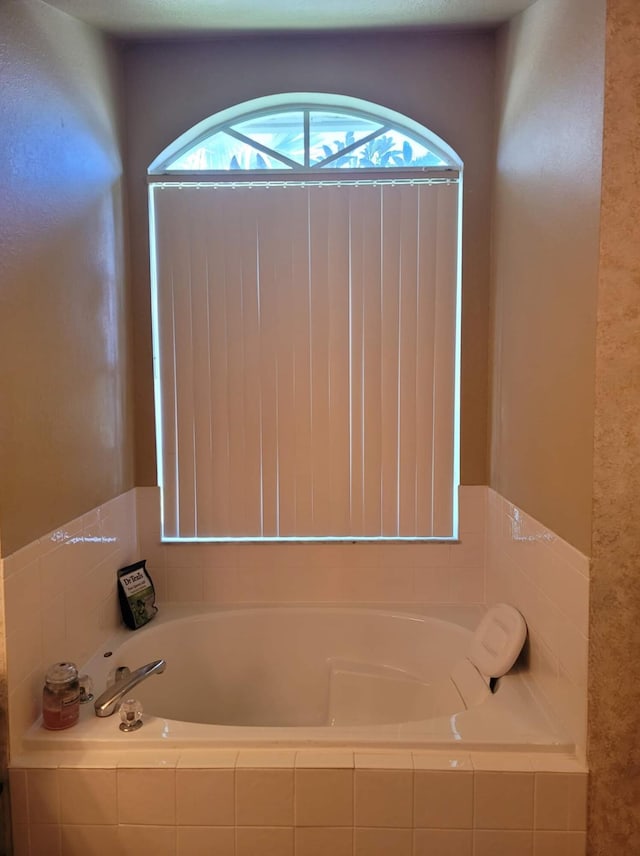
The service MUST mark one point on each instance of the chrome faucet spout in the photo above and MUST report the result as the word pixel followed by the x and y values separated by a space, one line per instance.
pixel 110 700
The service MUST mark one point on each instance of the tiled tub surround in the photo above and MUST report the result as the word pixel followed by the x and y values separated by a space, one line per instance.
pixel 304 803
pixel 61 597
pixel 503 555
pixel 61 603
pixel 548 581
pixel 61 600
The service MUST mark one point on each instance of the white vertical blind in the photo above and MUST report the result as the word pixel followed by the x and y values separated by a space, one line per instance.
pixel 306 359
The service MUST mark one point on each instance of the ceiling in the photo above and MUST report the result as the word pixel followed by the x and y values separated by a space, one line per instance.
pixel 135 18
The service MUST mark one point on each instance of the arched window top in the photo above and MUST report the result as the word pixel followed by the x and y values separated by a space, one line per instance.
pixel 302 133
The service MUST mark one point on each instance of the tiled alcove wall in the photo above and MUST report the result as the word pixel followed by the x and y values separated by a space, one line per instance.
pixel 548 581
pixel 60 596
pixel 60 600
pixel 503 555
pixel 322 572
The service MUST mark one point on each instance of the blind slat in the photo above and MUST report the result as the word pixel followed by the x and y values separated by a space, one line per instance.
pixel 184 383
pixel 338 358
pixel 372 366
pixel 251 484
pixel 425 362
pixel 203 425
pixel 217 398
pixel 407 440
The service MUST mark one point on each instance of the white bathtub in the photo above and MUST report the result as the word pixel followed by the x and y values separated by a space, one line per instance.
pixel 300 676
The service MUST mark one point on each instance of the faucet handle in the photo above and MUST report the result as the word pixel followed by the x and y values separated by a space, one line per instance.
pixel 117 675
pixel 130 715
pixel 86 689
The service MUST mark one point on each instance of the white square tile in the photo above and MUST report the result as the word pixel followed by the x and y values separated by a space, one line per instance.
pixel 35 761
pixel 206 841
pixel 205 797
pixel 259 759
pixel 502 761
pixel 45 838
pixel 469 552
pixel 22 599
pixel 472 508
pixel 383 798
pixel 88 796
pixel 183 555
pixel 319 841
pixel 22 558
pixel 569 591
pixel 321 759
pixel 547 843
pixel 264 841
pixel 467 584
pixel 443 799
pixel 441 761
pixel 567 553
pixel 553 762
pixel 382 842
pixel 54 625
pixel 24 654
pixel 146 796
pixel 90 760
pixel 133 840
pixel 148 759
pixel 573 654
pixel 217 759
pixel 443 842
pixel 503 800
pixel 324 797
pixel 560 801
pixel 184 585
pixel 19 801
pixel 436 556
pixel 147 500
pixel 384 760
pixel 43 796
pixel 264 797
pixel 502 842
pixel 432 585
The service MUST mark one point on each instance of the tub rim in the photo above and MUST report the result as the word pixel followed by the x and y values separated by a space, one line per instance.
pixel 161 732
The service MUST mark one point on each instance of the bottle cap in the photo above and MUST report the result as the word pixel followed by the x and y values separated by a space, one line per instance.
pixel 61 674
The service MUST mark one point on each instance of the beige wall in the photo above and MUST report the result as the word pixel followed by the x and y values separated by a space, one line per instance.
pixel 614 664
pixel 64 421
pixel 443 81
pixel 547 201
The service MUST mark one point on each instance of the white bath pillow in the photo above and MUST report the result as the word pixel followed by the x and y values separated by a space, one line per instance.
pixel 498 640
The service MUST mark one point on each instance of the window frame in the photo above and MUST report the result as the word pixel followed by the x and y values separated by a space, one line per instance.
pixel 450 172
pixel 306 103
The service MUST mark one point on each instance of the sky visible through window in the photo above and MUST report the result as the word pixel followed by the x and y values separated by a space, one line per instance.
pixel 306 139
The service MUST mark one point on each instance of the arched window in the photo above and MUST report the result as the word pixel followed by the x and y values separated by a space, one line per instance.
pixel 306 315
pixel 305 133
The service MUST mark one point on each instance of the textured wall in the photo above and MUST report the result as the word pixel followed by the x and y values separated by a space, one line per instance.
pixel 445 82
pixel 547 199
pixel 64 443
pixel 614 667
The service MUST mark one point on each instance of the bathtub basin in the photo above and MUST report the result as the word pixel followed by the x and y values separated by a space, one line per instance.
pixel 299 676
